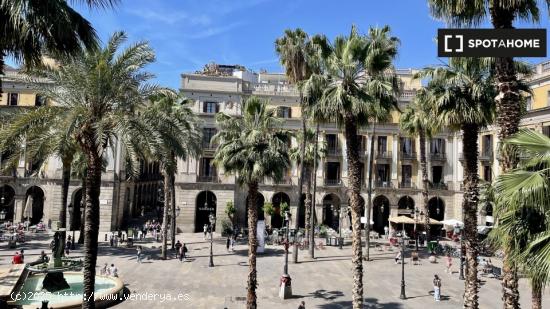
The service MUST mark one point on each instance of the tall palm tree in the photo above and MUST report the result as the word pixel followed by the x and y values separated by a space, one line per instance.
pixel 30 28
pixel 101 92
pixel 523 208
pixel 502 14
pixel 253 147
pixel 417 120
pixel 360 74
pixel 293 49
pixel 463 99
pixel 39 134
pixel 174 127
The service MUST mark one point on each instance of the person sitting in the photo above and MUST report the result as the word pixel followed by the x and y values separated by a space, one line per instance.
pixel 414 257
pixel 17 259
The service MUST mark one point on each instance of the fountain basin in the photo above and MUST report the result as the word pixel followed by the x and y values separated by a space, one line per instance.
pixel 31 295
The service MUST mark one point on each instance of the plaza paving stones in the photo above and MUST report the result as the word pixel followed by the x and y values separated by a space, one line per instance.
pixel 322 283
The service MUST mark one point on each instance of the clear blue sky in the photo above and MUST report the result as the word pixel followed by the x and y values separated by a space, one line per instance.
pixel 186 34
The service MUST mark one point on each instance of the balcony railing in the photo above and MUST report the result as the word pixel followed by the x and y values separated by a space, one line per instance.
pixel 383 155
pixel 333 182
pixel 438 156
pixel 438 186
pixel 383 184
pixel 486 156
pixel 407 184
pixel 202 178
pixel 286 180
pixel 333 151
pixel 208 146
pixel 408 155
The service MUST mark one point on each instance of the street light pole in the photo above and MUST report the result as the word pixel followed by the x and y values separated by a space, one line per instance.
pixel 461 273
pixel 402 296
pixel 285 289
pixel 212 220
pixel 340 240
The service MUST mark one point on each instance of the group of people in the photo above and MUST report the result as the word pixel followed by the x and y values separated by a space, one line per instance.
pixel 151 227
pixel 181 251
pixel 107 270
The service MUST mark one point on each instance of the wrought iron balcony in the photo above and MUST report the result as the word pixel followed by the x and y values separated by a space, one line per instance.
pixel 438 186
pixel 407 184
pixel 334 151
pixel 383 184
pixel 210 178
pixel 486 156
pixel 333 182
pixel 438 156
pixel 383 154
pixel 411 155
pixel 208 146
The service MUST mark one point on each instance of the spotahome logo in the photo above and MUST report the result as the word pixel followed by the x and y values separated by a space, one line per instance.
pixel 491 42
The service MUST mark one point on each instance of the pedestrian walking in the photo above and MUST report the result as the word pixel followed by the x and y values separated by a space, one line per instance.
pixel 178 247
pixel 113 271
pixel 437 288
pixel 68 247
pixel 302 305
pixel 386 231
pixel 104 271
pixel 205 230
pixel 233 242
pixel 111 240
pixel 22 256
pixel 184 252
pixel 139 251
pixel 228 243
pixel 449 264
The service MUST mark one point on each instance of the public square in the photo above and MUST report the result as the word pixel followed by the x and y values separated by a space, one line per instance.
pixel 322 283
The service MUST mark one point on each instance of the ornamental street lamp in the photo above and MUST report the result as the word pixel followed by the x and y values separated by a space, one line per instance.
pixel 285 290
pixel 2 215
pixel 212 220
pixel 458 230
pixel 402 239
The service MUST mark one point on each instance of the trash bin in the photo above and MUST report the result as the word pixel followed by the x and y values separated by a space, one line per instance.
pixel 12 244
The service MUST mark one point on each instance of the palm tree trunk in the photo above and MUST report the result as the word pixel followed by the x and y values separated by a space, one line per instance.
pixel 66 178
pixel 369 192
pixel 300 182
pixel 312 216
pixel 252 245
pixel 536 296
pixel 308 202
pixel 2 55
pixel 354 176
pixel 425 182
pixel 167 180
pixel 469 206
pixel 508 118
pixel 83 221
pixel 91 229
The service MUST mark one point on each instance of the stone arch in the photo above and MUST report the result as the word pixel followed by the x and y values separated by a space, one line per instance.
pixel 7 201
pixel 33 209
pixel 277 199
pixel 405 202
pixel 380 213
pixel 206 203
pixel 331 206
pixel 76 209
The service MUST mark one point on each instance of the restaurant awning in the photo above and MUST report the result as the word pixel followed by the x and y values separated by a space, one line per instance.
pixel 401 220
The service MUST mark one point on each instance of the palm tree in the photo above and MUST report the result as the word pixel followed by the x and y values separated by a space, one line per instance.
pixel 30 28
pixel 418 120
pixel 293 49
pixel 176 135
pixel 502 15
pixel 463 99
pixel 100 92
pixel 253 147
pixel 39 134
pixel 360 74
pixel 523 206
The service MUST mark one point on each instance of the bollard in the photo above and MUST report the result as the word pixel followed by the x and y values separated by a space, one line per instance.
pixel 105 236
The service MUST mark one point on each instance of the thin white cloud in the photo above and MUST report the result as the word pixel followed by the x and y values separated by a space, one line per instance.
pixel 212 31
pixel 171 18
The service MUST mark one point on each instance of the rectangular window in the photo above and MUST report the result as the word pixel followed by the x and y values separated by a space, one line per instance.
pixel 383 172
pixel 13 99
pixel 546 131
pixel 207 135
pixel 333 171
pixel 528 103
pixel 437 146
pixel 487 173
pixel 39 100
pixel 406 176
pixel 207 169
pixel 487 145
pixel 284 112
pixel 382 144
pixel 407 145
pixel 332 143
pixel 211 107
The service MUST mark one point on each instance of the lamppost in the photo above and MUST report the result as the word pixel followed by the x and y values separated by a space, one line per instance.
pixel 174 229
pixel 417 213
pixel 71 216
pixel 2 215
pixel 458 230
pixel 402 238
pixel 212 220
pixel 285 285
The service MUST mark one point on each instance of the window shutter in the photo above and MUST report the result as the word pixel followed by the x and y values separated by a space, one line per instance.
pixel 204 105
pixel 217 107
